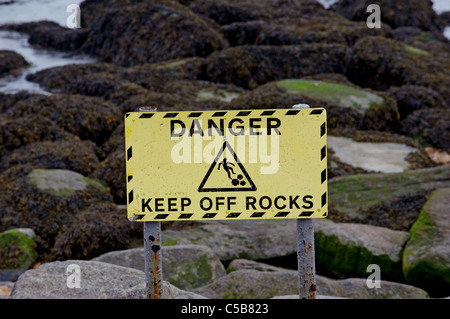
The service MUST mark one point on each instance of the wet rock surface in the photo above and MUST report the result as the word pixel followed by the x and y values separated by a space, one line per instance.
pixel 10 61
pixel 62 160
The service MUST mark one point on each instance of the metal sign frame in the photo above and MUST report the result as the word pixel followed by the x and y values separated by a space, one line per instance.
pixel 305 229
pixel 256 164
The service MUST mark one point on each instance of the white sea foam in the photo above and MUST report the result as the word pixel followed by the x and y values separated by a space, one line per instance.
pixel 27 11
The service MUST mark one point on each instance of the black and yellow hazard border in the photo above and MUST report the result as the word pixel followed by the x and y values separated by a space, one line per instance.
pixel 136 215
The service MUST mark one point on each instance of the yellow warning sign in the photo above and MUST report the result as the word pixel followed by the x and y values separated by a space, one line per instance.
pixel 249 164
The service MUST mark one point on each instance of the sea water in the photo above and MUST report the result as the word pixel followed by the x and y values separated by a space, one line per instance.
pixel 20 11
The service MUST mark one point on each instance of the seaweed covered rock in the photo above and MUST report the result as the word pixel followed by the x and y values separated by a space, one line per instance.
pixel 153 76
pixel 10 60
pixel 50 35
pixel 61 79
pixel 379 112
pixel 391 200
pixel 410 98
pixel 329 28
pixel 99 228
pixel 379 63
pixel 111 172
pixel 426 261
pixel 87 117
pixel 8 100
pixel 73 154
pixel 17 252
pixel 251 66
pixel 45 201
pixel 30 128
pixel 228 11
pixel 396 13
pixel 136 33
pixel 431 126
pixel 422 42
pixel 285 93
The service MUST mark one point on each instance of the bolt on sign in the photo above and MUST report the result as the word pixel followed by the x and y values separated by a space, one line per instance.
pixel 248 164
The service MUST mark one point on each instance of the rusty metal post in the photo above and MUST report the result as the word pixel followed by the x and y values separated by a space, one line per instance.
pixel 305 251
pixel 152 248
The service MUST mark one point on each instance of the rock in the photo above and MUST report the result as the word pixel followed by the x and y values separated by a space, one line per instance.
pixel 296 297
pixel 375 157
pixel 28 129
pixel 332 288
pixel 93 231
pixel 410 98
pixel 17 252
pixel 271 96
pixel 50 35
pixel 155 76
pixel 357 288
pixel 246 239
pixel 429 125
pixel 254 284
pixel 417 158
pixel 185 266
pixel 71 215
pixel 379 63
pixel 249 66
pixel 426 259
pixel 438 156
pixel 8 100
pixel 370 105
pixel 191 266
pixel 68 78
pixel 86 117
pixel 6 288
pixel 158 31
pixel 10 60
pixel 70 154
pixel 395 13
pixel 60 182
pixel 251 284
pixel 338 94
pixel 111 172
pixel 225 11
pixel 423 42
pixel 391 200
pixel 97 281
pixel 346 249
pixel 320 26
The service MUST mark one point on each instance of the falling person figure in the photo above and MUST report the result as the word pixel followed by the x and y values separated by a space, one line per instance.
pixel 227 167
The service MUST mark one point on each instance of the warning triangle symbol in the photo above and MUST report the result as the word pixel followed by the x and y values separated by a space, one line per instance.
pixel 226 174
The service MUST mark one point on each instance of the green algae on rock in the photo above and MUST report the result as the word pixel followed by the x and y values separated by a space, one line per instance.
pixel 346 249
pixel 426 258
pixel 390 200
pixel 338 94
pixel 60 182
pixel 17 252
